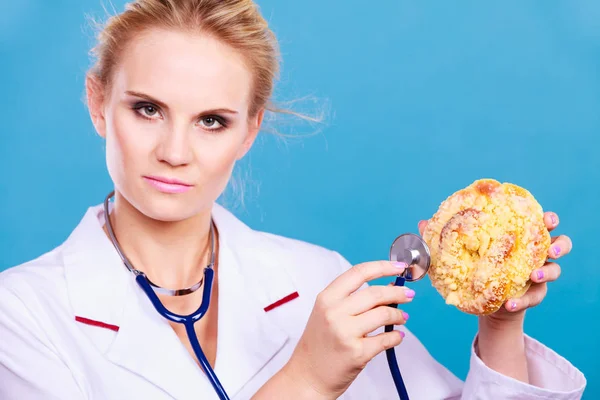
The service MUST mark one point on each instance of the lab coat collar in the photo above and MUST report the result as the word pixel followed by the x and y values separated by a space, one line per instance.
pixel 101 289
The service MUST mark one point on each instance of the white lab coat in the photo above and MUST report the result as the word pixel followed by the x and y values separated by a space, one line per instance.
pixel 75 325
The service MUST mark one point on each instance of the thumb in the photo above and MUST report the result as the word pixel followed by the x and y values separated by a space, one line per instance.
pixel 422 225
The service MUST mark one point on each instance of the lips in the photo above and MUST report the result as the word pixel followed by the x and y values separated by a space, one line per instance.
pixel 167 185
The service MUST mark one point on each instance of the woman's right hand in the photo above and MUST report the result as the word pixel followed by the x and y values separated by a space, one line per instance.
pixel 334 347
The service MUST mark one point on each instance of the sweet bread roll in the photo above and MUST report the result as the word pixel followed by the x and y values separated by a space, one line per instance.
pixel 485 240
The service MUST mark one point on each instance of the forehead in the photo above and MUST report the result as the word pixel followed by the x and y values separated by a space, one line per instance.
pixel 184 70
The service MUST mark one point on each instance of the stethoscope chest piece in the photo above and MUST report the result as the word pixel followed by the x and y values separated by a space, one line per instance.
pixel 412 250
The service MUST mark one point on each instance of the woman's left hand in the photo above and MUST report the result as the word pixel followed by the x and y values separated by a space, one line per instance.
pixel 549 272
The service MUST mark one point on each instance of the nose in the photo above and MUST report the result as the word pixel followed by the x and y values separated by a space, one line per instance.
pixel 174 147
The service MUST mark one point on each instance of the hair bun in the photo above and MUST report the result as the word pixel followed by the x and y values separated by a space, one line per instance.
pixel 485 241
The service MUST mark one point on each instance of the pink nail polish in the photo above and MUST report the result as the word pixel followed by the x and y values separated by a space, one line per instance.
pixel 405 316
pixel 399 264
pixel 540 274
pixel 556 250
pixel 402 334
pixel 409 293
pixel 553 219
pixel 513 305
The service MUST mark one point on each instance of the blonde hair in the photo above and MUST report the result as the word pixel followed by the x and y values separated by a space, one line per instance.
pixel 237 23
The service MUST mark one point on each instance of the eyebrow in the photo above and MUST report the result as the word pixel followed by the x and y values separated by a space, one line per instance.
pixel 165 107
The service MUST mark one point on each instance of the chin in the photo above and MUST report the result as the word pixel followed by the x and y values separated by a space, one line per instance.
pixel 170 215
pixel 168 207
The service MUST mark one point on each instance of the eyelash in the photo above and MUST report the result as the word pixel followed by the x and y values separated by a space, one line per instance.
pixel 139 107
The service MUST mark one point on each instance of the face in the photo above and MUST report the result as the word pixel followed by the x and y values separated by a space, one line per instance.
pixel 175 120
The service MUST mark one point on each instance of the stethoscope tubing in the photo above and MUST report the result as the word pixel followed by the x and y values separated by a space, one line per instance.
pixel 188 322
pixel 391 355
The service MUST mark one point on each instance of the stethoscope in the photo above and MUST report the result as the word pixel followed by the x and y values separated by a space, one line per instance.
pixel 412 250
pixel 408 248
pixel 187 320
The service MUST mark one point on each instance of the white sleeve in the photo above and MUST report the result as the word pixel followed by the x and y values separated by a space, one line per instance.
pixel 551 376
pixel 29 368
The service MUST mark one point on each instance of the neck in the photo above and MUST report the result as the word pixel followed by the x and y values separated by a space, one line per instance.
pixel 172 254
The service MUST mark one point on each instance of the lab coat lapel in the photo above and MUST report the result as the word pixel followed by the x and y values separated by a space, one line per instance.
pixel 95 276
pixel 147 345
pixel 247 336
pixel 101 289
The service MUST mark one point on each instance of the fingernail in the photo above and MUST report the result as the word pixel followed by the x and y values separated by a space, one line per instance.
pixel 540 274
pixel 554 219
pixel 556 250
pixel 405 316
pixel 513 305
pixel 402 334
pixel 409 293
pixel 399 264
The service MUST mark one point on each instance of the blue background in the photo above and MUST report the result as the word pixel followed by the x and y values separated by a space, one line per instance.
pixel 420 99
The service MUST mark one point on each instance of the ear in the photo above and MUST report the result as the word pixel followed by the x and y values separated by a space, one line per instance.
pixel 95 100
pixel 254 126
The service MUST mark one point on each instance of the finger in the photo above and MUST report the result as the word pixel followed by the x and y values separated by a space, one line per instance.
pixel 373 345
pixel 547 273
pixel 355 277
pixel 561 246
pixel 376 318
pixel 551 220
pixel 422 225
pixel 532 298
pixel 373 296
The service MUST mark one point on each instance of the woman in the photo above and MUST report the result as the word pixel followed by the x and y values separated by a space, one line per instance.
pixel 179 90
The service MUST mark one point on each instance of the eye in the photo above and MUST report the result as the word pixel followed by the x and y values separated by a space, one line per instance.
pixel 213 123
pixel 149 110
pixel 146 110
